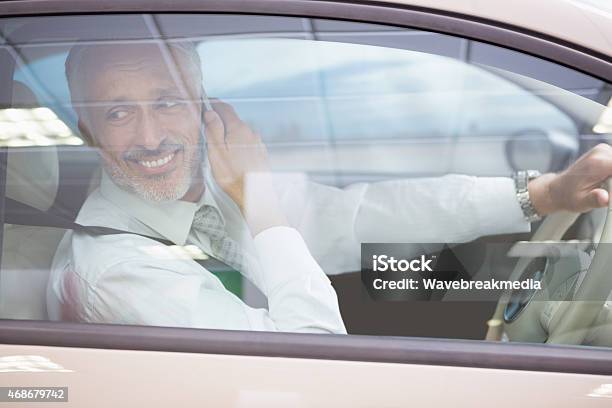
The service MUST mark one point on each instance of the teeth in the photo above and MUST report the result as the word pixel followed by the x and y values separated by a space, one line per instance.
pixel 156 163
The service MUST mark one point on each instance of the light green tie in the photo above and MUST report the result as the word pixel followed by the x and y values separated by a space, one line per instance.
pixel 208 220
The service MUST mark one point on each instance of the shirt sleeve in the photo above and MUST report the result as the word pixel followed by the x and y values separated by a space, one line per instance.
pixel 181 293
pixel 448 209
pixel 300 295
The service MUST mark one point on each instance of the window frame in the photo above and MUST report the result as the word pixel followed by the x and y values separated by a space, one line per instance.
pixel 463 353
pixel 516 38
pixel 399 350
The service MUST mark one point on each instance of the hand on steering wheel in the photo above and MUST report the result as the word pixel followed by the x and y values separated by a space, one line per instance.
pixel 568 320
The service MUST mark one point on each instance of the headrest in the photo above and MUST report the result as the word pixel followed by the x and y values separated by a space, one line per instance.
pixel 32 175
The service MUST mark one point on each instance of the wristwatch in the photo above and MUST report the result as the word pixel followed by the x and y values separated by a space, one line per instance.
pixel 521 180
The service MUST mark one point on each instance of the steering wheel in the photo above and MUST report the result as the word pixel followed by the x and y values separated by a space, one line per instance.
pixel 568 304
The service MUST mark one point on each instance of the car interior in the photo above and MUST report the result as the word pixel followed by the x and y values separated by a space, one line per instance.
pixel 55 180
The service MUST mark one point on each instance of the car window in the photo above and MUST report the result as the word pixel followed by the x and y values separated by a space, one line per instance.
pixel 357 139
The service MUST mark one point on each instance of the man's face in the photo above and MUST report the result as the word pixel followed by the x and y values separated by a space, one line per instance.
pixel 147 127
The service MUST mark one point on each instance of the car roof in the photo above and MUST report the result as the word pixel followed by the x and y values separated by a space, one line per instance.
pixel 587 23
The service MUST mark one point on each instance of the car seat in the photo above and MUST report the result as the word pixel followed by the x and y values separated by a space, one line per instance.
pixel 32 178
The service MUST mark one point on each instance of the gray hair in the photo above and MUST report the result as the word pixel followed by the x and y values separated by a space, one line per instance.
pixel 80 52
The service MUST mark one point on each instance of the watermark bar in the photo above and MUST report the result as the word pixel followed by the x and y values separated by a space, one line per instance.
pixel 33 394
pixel 485 272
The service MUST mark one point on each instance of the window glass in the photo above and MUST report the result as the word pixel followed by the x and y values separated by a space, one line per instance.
pixel 333 143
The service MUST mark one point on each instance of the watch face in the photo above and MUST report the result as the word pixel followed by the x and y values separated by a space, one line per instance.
pixel 531 174
pixel 521 181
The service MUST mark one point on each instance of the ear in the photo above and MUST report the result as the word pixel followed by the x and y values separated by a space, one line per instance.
pixel 86 135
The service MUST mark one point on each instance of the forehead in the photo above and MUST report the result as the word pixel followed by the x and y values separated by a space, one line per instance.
pixel 109 71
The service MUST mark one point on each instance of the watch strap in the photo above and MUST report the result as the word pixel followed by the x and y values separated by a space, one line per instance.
pixel 521 182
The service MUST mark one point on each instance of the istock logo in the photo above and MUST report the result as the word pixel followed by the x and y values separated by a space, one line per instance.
pixel 384 263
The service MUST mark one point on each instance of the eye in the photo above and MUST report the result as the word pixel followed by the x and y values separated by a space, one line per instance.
pixel 117 114
pixel 168 103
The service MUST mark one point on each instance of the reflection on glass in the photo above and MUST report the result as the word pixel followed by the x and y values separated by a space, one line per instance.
pixel 34 127
pixel 604 125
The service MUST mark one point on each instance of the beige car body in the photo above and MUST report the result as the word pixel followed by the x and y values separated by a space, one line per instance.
pixel 121 378
pixel 576 21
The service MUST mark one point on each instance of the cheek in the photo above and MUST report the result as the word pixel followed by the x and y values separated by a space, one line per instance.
pixel 188 132
pixel 112 147
pixel 111 141
pixel 196 137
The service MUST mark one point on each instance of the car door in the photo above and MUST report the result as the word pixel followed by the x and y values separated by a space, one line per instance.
pixel 348 99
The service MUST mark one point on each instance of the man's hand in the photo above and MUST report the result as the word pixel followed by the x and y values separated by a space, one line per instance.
pixel 239 162
pixel 577 189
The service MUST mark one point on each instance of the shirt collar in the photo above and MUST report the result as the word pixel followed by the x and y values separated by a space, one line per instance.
pixel 171 220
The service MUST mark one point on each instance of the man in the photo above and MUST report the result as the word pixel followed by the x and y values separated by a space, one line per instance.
pixel 145 116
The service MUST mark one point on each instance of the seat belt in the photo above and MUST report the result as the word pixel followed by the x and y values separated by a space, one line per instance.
pixel 18 213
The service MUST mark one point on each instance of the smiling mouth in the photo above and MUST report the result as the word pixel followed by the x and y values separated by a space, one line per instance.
pixel 157 163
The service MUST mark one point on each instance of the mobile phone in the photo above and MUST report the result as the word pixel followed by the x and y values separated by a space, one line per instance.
pixel 206 101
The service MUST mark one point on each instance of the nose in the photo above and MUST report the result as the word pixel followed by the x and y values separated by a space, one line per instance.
pixel 149 132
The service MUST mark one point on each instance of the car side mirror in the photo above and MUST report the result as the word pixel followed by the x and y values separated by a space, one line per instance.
pixel 543 150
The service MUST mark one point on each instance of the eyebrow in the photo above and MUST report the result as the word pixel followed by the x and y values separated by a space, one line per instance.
pixel 124 100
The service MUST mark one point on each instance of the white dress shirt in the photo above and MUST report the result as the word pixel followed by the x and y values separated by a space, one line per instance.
pixel 439 210
pixel 129 279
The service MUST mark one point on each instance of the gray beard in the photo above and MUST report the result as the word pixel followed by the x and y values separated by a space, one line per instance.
pixel 153 188
pixel 145 190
